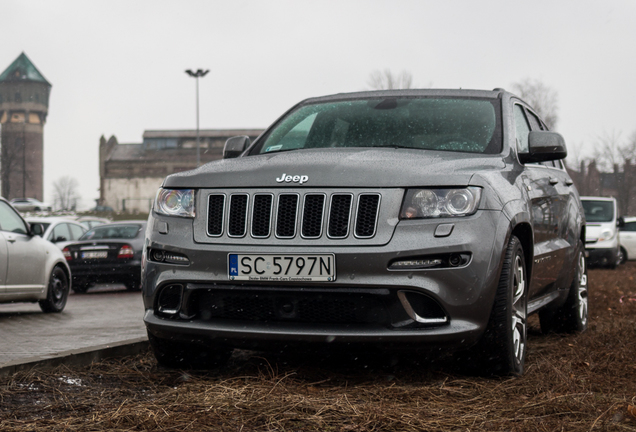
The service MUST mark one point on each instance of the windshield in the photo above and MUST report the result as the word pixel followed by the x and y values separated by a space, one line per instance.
pixel 462 125
pixel 112 232
pixel 598 211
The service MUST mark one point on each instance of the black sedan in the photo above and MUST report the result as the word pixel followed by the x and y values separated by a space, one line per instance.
pixel 109 253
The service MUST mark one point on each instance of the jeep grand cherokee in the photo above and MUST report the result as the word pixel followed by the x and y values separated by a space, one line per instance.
pixel 414 219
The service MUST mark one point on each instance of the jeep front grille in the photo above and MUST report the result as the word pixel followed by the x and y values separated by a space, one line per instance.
pixel 287 215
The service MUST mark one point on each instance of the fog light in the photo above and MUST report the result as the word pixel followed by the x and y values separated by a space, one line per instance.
pixel 416 264
pixel 159 255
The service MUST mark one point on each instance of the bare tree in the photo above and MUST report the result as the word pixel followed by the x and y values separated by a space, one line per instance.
pixel 618 156
pixel 386 80
pixel 542 98
pixel 65 193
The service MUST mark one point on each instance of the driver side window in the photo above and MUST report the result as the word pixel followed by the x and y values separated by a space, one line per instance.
pixel 10 221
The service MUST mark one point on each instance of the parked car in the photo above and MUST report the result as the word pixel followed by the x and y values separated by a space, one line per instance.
pixel 59 230
pixel 108 253
pixel 102 209
pixel 92 221
pixel 417 219
pixel 601 232
pixel 627 239
pixel 31 268
pixel 30 204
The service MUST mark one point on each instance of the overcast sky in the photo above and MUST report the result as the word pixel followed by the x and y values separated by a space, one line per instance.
pixel 117 67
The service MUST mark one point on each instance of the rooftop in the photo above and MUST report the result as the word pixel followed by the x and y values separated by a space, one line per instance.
pixel 22 69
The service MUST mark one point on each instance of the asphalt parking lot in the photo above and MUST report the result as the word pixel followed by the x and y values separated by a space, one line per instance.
pixel 107 320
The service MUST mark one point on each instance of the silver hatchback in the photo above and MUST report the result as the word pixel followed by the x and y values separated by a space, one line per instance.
pixel 31 268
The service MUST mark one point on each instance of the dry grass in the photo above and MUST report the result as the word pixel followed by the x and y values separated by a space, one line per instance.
pixel 572 383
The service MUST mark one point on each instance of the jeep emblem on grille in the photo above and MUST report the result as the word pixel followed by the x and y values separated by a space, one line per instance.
pixel 289 178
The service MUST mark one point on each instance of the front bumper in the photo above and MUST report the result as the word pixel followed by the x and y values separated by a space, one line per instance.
pixel 191 302
pixel 602 256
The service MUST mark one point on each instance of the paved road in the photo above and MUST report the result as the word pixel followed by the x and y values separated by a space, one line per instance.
pixel 104 316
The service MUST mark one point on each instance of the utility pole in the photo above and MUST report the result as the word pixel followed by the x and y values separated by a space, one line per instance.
pixel 200 73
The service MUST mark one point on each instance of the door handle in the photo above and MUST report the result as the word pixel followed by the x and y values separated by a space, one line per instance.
pixel 569 182
pixel 553 180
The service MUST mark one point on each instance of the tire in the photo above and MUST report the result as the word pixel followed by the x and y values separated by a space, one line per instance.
pixel 572 317
pixel 183 355
pixel 502 348
pixel 57 291
pixel 622 256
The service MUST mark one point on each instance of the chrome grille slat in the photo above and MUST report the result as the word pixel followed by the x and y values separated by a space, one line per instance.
pixel 339 215
pixel 313 210
pixel 367 215
pixel 216 213
pixel 262 215
pixel 237 223
pixel 286 215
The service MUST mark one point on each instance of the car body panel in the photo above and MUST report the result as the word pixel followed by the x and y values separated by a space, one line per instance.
pixel 111 268
pixel 26 261
pixel 535 202
pixel 627 237
pixel 30 204
pixel 602 233
pixel 54 226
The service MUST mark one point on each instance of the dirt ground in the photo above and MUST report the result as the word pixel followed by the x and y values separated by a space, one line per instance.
pixel 581 382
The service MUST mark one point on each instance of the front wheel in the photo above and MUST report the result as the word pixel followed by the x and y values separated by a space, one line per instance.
pixel 57 292
pixel 503 346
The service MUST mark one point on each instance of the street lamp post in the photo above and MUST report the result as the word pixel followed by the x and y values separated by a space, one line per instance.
pixel 199 73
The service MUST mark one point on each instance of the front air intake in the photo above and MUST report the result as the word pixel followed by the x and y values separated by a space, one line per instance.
pixel 169 300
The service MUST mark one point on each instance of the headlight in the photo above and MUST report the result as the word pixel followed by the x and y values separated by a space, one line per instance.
pixel 175 202
pixel 605 235
pixel 428 203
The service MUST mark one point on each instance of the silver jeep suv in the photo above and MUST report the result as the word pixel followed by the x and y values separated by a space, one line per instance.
pixel 414 219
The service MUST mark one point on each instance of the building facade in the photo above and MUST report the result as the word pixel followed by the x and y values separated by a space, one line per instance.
pixel 130 174
pixel 24 104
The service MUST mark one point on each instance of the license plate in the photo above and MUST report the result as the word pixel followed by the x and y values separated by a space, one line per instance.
pixel 94 255
pixel 282 268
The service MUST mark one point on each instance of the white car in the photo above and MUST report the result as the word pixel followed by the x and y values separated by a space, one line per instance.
pixel 601 231
pixel 59 230
pixel 627 238
pixel 30 204
pixel 31 268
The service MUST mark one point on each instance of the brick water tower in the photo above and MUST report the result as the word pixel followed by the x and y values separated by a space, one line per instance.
pixel 24 103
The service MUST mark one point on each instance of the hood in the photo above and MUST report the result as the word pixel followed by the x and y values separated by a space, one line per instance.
pixel 386 167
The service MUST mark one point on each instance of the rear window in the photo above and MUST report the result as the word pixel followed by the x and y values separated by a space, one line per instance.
pixel 446 124
pixel 104 232
pixel 598 211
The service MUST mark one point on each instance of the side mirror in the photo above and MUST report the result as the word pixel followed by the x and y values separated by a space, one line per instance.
pixel 620 222
pixel 544 146
pixel 235 146
pixel 36 229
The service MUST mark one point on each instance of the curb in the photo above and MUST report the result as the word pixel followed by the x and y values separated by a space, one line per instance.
pixel 78 357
